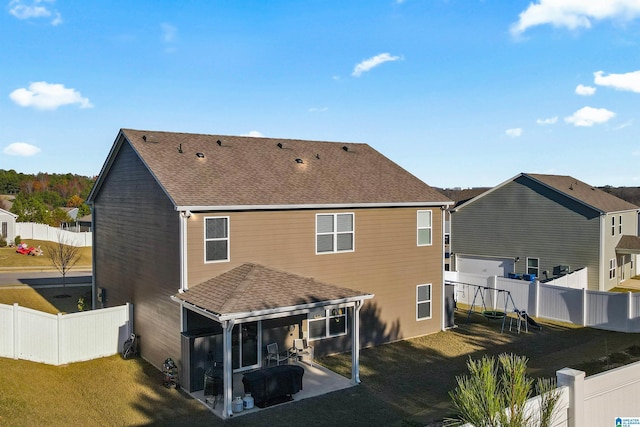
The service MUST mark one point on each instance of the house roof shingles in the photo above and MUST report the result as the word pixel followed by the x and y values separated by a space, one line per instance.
pixel 629 245
pixel 252 287
pixel 584 192
pixel 248 171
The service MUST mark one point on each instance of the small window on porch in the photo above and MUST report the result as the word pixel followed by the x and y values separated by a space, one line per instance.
pixel 327 323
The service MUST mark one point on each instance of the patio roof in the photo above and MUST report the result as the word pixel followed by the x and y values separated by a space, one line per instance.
pixel 628 245
pixel 252 291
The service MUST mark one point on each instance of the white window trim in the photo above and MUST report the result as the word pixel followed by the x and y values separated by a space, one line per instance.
pixel 418 228
pixel 537 268
pixel 335 233
pixel 228 239
pixel 612 268
pixel 327 319
pixel 430 301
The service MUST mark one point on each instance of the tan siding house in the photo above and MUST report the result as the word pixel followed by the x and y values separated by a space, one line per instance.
pixel 224 244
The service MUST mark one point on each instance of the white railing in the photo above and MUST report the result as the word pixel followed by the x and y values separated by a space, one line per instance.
pixel 63 338
pixel 612 311
pixel 35 231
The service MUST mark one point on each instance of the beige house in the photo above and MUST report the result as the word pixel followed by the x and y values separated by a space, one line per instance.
pixel 225 244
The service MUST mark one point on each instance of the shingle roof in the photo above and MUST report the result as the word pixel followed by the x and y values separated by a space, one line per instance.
pixel 252 287
pixel 584 192
pixel 628 245
pixel 247 171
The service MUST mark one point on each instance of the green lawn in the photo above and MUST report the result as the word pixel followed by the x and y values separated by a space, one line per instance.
pixel 10 258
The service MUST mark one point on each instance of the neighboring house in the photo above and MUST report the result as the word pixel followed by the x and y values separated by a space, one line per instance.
pixel 545 226
pixel 224 244
pixel 8 225
pixel 84 223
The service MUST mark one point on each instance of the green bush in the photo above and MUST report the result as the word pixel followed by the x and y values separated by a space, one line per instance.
pixel 3 242
pixel 17 240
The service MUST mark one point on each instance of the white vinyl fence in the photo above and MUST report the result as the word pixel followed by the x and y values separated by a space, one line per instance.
pixel 35 231
pixel 612 311
pixel 597 400
pixel 63 338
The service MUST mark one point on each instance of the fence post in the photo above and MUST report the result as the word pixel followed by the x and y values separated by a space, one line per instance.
pixel 16 329
pixel 536 298
pixel 584 307
pixel 629 312
pixel 573 379
pixel 59 340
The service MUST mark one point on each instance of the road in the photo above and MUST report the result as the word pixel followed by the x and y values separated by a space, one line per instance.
pixel 44 278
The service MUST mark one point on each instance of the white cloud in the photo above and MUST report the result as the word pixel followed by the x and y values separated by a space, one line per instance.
pixel 624 125
pixel 254 134
pixel 627 81
pixel 48 96
pixel 25 9
pixel 548 121
pixel 168 32
pixel 21 149
pixel 573 14
pixel 588 116
pixel 372 62
pixel 585 90
pixel 514 133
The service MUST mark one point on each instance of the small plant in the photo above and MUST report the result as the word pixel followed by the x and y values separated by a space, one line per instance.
pixel 81 304
pixel 17 240
pixel 634 350
pixel 3 242
pixel 619 357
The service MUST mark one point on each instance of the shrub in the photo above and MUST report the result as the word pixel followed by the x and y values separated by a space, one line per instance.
pixel 3 242
pixel 619 357
pixel 17 240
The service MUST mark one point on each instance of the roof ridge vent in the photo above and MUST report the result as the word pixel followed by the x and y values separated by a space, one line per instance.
pixel 345 148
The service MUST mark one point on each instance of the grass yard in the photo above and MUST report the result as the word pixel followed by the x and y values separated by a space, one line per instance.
pixel 10 258
pixel 403 384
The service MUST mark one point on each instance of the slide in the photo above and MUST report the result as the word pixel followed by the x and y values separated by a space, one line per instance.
pixel 530 321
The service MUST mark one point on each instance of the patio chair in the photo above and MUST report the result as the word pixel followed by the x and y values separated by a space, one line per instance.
pixel 274 354
pixel 302 348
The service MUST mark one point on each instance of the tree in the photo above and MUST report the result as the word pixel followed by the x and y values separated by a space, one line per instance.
pixel 63 255
pixel 495 394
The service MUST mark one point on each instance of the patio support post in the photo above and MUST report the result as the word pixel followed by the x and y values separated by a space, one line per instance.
pixel 227 369
pixel 355 343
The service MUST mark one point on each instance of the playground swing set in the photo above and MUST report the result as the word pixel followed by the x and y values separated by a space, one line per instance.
pixel 521 316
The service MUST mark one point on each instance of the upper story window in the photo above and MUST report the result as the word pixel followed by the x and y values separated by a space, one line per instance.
pixel 613 225
pixel 423 302
pixel 334 233
pixel 424 228
pixel 620 224
pixel 216 239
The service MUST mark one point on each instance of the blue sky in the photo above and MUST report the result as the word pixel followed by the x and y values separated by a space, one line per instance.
pixel 461 93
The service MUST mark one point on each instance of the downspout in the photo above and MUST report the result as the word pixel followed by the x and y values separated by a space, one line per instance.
pixel 601 260
pixel 227 369
pixel 184 218
pixel 443 291
pixel 355 343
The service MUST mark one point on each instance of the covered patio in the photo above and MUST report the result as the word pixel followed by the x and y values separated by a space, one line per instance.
pixel 229 319
pixel 317 381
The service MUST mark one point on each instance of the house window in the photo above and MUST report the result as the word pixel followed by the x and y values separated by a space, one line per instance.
pixel 612 268
pixel 424 228
pixel 334 233
pixel 613 225
pixel 327 323
pixel 533 266
pixel 423 302
pixel 620 224
pixel 216 239
pixel 5 229
pixel 447 239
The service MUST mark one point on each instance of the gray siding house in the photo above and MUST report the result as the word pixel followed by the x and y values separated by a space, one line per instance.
pixel 544 226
